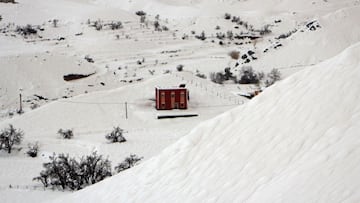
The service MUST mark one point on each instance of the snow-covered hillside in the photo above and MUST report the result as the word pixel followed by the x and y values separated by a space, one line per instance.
pixel 296 142
pixel 257 150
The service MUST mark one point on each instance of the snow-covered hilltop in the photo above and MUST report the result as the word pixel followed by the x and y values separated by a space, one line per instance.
pixel 92 65
pixel 296 142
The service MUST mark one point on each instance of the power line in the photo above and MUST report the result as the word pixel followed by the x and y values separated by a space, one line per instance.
pixel 126 103
pixel 87 102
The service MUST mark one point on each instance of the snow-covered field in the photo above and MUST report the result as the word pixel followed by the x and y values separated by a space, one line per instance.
pixel 295 142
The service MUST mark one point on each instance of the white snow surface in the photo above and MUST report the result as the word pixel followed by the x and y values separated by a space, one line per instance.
pixel 296 142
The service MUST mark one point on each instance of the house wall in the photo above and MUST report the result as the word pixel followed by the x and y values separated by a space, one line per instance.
pixel 167 99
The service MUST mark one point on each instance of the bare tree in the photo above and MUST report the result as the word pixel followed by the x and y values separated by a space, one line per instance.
pixel 9 137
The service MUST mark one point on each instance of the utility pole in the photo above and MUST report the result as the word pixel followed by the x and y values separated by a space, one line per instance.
pixel 20 109
pixel 126 113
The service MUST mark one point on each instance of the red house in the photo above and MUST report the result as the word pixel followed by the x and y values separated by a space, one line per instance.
pixel 171 98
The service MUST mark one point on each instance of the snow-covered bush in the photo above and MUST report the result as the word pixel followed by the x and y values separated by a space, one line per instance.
pixel 227 16
pixel 116 135
pixel 217 77
pixel 272 77
pixel 33 149
pixel 116 25
pixel 98 25
pixel 94 168
pixel 230 35
pixel 201 36
pixel 68 173
pixel 265 30
pixel 26 30
pixel 200 75
pixel 248 75
pixel 129 162
pixel 140 13
pixel 9 137
pixel 66 134
pixel 286 35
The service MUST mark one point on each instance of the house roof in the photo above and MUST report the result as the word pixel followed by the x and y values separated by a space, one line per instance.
pixel 170 88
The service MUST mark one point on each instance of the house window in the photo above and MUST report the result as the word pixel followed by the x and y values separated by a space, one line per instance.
pixel 162 100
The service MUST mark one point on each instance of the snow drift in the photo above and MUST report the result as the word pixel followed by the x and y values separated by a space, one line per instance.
pixel 296 142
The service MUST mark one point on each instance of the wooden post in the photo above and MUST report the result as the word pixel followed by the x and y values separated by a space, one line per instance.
pixel 126 113
pixel 20 109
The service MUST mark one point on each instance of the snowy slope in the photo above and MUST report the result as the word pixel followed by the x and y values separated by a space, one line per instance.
pixel 296 142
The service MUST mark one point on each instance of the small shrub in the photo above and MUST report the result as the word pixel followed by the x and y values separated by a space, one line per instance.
pixel 55 22
pixel 98 25
pixel 33 149
pixel 228 74
pixel 157 25
pixel 34 106
pixel 129 162
pixel 116 135
pixel 116 25
pixel 26 30
pixel 9 137
pixel 89 59
pixel 235 19
pixel 180 67
pixel 142 19
pixel 220 35
pixel 164 28
pixel 201 36
pixel 185 36
pixel 227 16
pixel 66 134
pixel 217 27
